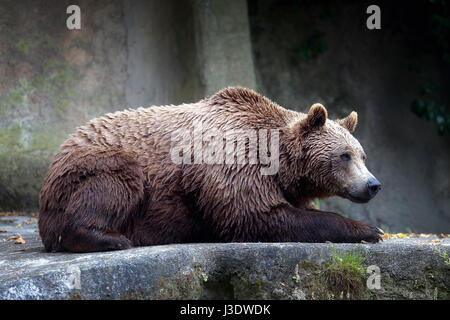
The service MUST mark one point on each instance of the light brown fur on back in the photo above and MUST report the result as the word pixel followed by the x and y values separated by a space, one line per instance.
pixel 192 202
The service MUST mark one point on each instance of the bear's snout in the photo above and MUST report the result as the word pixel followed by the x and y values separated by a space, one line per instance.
pixel 363 190
pixel 373 186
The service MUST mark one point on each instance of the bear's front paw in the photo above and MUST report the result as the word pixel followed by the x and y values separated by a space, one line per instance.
pixel 118 243
pixel 123 243
pixel 370 234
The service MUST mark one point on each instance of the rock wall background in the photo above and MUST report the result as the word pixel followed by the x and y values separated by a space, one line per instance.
pixel 133 53
pixel 51 80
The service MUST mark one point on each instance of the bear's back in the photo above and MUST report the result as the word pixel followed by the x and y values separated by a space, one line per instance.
pixel 147 132
pixel 136 130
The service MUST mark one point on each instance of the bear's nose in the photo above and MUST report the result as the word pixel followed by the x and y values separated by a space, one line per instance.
pixel 373 186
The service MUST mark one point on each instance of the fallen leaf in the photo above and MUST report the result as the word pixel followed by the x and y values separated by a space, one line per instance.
pixel 10 238
pixel 401 235
pixel 8 214
pixel 19 240
pixel 424 235
pixel 430 244
pixel 3 231
pixel 29 221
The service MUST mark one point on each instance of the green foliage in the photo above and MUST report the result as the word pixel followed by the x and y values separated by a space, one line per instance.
pixel 426 106
pixel 440 27
pixel 345 275
pixel 317 203
pixel 350 263
pixel 444 255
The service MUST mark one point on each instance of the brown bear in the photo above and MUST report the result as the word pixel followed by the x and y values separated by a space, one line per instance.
pixel 125 179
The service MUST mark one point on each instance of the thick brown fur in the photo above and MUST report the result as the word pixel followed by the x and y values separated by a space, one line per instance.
pixel 114 185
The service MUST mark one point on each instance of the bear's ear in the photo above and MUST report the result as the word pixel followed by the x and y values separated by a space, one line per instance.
pixel 317 116
pixel 349 122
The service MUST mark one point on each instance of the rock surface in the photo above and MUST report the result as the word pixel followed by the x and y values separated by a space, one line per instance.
pixel 412 268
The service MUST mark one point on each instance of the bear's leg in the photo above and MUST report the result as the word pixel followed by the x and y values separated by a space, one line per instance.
pixel 167 218
pixel 321 226
pixel 95 214
pixel 290 224
pixel 88 239
pixel 88 199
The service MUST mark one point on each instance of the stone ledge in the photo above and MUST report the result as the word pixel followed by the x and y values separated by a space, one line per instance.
pixel 410 269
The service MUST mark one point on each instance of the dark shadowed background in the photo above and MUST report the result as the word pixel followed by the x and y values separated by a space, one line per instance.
pixel 142 53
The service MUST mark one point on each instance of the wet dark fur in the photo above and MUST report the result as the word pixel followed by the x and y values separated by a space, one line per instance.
pixel 113 186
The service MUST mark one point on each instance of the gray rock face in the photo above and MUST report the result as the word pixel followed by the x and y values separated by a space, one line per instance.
pixel 409 269
pixel 51 80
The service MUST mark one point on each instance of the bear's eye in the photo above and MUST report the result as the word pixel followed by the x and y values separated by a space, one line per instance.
pixel 345 157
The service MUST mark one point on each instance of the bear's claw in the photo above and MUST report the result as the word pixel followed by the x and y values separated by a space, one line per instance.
pixel 373 235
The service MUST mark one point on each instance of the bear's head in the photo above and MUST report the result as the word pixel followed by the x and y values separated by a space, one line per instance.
pixel 326 160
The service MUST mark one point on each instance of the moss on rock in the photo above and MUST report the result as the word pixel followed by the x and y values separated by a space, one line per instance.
pixel 342 278
pixel 24 157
